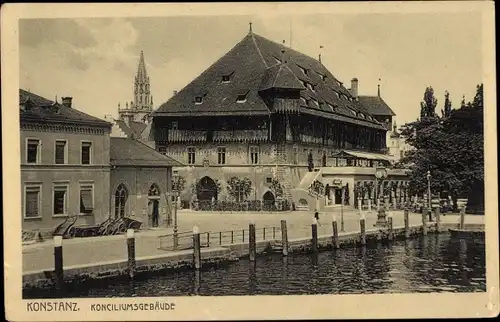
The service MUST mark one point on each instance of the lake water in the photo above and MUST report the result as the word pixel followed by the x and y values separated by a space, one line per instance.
pixel 435 263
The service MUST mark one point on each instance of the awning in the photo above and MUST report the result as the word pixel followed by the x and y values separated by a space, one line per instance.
pixel 362 155
pixel 86 200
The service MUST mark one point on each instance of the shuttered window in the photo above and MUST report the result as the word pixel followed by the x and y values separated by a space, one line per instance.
pixel 60 200
pixel 86 199
pixel 33 151
pixel 32 202
pixel 60 152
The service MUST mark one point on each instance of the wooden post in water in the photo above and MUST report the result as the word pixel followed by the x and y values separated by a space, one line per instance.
pixel 462 217
pixel 314 229
pixel 284 238
pixel 58 263
pixel 251 242
pixel 131 253
pixel 424 221
pixel 196 248
pixel 390 229
pixel 335 241
pixel 362 226
pixel 438 219
pixel 407 223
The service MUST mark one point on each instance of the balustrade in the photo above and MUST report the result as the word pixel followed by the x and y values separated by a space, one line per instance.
pixel 260 135
pixel 187 136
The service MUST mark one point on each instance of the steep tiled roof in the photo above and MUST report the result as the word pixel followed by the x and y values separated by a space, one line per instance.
pixel 133 129
pixel 130 152
pixel 40 109
pixel 376 105
pixel 255 64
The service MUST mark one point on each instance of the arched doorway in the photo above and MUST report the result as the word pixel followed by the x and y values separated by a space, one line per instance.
pixel 207 189
pixel 154 204
pixel 121 196
pixel 268 200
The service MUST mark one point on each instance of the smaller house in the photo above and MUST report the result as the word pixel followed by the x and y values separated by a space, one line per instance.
pixel 141 181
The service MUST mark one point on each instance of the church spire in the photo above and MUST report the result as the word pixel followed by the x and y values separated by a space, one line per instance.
pixel 141 69
pixel 142 95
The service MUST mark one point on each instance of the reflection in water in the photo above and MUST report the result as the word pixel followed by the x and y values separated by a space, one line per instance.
pixel 435 263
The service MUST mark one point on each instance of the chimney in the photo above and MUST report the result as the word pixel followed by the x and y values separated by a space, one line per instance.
pixel 354 87
pixel 66 101
pixel 175 93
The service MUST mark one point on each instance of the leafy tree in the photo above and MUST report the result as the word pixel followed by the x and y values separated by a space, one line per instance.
pixel 310 162
pixel 277 188
pixel 239 188
pixel 428 105
pixel 451 149
pixel 178 183
pixel 446 111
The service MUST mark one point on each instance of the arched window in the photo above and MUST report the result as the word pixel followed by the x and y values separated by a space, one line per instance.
pixel 121 196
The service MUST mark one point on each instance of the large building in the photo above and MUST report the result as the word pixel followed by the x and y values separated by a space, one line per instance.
pixel 65 166
pixel 70 166
pixel 267 113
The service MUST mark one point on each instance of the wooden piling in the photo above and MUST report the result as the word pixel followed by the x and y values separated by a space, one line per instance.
pixel 284 238
pixel 369 205
pixel 314 233
pixel 58 263
pixel 131 253
pixel 362 226
pixel 335 241
pixel 196 248
pixel 462 217
pixel 390 229
pixel 251 242
pixel 407 223
pixel 424 221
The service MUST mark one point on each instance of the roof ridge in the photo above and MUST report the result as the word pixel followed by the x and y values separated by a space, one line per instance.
pixel 258 50
pixel 154 151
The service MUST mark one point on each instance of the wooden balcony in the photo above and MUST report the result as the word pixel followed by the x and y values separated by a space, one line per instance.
pixel 241 136
pixel 306 138
pixel 187 136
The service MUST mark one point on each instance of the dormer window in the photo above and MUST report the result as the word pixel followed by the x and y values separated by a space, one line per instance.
pixel 339 83
pixel 304 83
pixel 361 115
pixel 198 99
pixel 303 101
pixel 315 102
pixel 353 112
pixel 331 107
pixel 277 60
pixel 304 70
pixel 310 86
pixel 337 94
pixel 226 78
pixel 242 98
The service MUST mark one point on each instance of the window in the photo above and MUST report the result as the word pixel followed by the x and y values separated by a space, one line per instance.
pixel 121 196
pixel 221 155
pixel 175 125
pixel 353 112
pixel 295 155
pixel 241 98
pixel 304 83
pixel 277 60
pixel 316 103
pixel 60 200
pixel 269 180
pixel 331 107
pixel 33 151
pixel 303 101
pixel 86 199
pixel 225 79
pixel 32 201
pixel 361 115
pixel 337 94
pixel 191 155
pixel 254 155
pixel 304 70
pixel 60 152
pixel 198 100
pixel 311 87
pixel 86 152
pixel 162 150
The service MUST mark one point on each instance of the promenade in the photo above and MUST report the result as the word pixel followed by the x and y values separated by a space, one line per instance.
pixel 82 251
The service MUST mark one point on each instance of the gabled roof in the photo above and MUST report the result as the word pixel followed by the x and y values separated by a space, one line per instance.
pixel 130 152
pixel 133 129
pixel 40 109
pixel 376 105
pixel 256 64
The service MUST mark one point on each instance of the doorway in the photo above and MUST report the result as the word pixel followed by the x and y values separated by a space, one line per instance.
pixel 338 196
pixel 154 204
pixel 268 201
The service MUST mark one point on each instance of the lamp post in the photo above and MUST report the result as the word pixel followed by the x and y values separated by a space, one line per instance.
pixel 429 194
pixel 381 174
pixel 176 237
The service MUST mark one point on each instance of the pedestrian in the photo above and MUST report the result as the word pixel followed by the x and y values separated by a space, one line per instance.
pixel 316 215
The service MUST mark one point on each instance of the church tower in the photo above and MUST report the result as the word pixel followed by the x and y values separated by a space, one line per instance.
pixel 141 107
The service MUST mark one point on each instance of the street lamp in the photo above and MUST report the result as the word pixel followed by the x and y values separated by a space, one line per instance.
pixel 176 237
pixel 381 174
pixel 429 194
pixel 342 209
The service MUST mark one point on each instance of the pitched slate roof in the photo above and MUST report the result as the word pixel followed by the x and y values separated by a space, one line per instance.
pixel 376 105
pixel 130 152
pixel 133 129
pixel 40 109
pixel 256 64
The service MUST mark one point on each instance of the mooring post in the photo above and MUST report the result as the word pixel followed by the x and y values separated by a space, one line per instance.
pixel 251 241
pixel 58 263
pixel 462 217
pixel 407 222
pixel 335 240
pixel 362 226
pixel 196 248
pixel 438 219
pixel 284 238
pixel 424 221
pixel 360 205
pixel 369 205
pixel 131 253
pixel 390 229
pixel 314 229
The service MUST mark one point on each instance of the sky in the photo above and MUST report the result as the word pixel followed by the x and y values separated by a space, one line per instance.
pixel 94 60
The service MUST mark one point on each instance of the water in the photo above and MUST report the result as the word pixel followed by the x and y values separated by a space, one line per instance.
pixel 436 263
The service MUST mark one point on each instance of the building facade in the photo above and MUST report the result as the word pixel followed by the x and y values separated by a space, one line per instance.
pixel 266 113
pixel 65 166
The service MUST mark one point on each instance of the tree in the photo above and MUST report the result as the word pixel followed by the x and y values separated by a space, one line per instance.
pixel 178 183
pixel 277 188
pixel 451 149
pixel 310 162
pixel 428 105
pixel 446 111
pixel 239 188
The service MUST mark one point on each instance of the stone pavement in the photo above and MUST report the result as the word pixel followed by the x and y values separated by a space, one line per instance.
pixel 80 251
